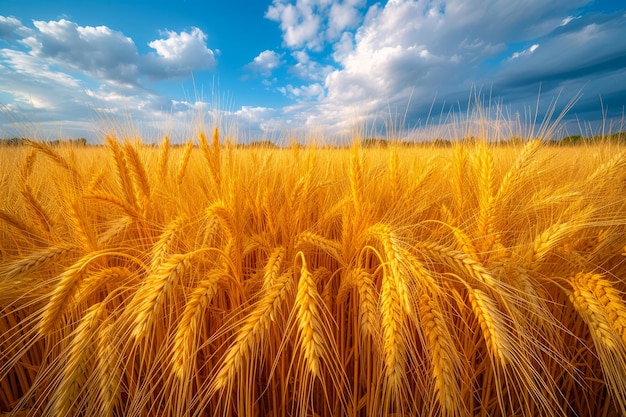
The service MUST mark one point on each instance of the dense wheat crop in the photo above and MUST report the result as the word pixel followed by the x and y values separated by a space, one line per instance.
pixel 208 279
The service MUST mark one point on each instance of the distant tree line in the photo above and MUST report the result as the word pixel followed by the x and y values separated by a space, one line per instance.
pixel 21 141
pixel 371 142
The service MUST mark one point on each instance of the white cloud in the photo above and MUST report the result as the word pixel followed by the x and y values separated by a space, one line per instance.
pixel 254 113
pixel 408 52
pixel 77 75
pixel 265 63
pixel 568 19
pixel 308 69
pixel 343 47
pixel 305 92
pixel 34 69
pixel 311 24
pixel 99 51
pixel 342 16
pixel 299 23
pixel 525 52
pixel 11 27
pixel 109 55
pixel 178 55
pixel 399 55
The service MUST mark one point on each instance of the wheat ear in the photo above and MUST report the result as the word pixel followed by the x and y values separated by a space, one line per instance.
pixel 215 161
pixel 77 368
pixel 123 175
pixel 112 199
pixel 27 166
pixel 54 156
pixel 273 266
pixel 39 213
pixel 82 229
pixel 460 261
pixel 34 261
pixel 163 246
pixel 327 245
pixel 148 299
pixel 392 323
pixel 484 227
pixel 109 375
pixel 164 158
pixel 310 324
pixel 369 319
pixel 601 307
pixel 184 161
pixel 184 350
pixel 551 237
pixel 517 172
pixel 141 185
pixel 393 263
pixel 356 178
pixel 105 278
pixel 492 324
pixel 63 294
pixel 18 225
pixel 255 329
pixel 443 354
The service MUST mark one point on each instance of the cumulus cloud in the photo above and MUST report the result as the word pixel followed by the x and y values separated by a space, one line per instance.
pixel 254 113
pixel 178 55
pixel 305 92
pixel 59 70
pixel 109 55
pixel 341 64
pixel 343 16
pixel 307 68
pixel 311 24
pixel 10 27
pixel 265 63
pixel 406 53
pixel 99 51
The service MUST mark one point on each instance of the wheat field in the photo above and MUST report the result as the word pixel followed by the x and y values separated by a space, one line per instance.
pixel 213 280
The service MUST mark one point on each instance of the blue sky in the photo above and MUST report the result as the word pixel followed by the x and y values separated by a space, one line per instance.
pixel 276 68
